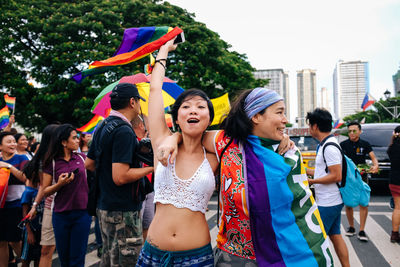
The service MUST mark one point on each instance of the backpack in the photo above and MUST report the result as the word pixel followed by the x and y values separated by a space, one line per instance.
pixel 353 189
pixel 100 138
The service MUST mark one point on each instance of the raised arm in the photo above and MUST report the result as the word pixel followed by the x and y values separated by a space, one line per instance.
pixel 157 125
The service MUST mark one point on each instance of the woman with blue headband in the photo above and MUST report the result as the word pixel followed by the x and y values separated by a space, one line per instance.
pixel 268 215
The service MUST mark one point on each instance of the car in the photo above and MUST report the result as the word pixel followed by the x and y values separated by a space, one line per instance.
pixel 306 144
pixel 379 136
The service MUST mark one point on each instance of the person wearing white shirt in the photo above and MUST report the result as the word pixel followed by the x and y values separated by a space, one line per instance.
pixel 326 175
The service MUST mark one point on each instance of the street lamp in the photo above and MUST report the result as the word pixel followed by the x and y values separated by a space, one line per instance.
pixel 395 114
pixel 387 94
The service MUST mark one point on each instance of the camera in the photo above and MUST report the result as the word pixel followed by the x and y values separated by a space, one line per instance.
pixel 144 152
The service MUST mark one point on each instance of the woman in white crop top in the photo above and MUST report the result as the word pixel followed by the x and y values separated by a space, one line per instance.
pixel 179 233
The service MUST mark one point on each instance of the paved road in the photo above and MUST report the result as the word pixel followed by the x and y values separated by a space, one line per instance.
pixel 378 252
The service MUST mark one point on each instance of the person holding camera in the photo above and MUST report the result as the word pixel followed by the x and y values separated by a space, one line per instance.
pixel 148 207
pixel 112 156
pixel 71 221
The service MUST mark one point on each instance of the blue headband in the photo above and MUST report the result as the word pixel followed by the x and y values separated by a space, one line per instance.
pixel 259 99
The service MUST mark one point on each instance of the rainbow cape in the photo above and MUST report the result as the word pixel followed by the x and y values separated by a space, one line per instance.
pixel 136 44
pixel 10 101
pixel 283 214
pixel 89 127
pixel 4 117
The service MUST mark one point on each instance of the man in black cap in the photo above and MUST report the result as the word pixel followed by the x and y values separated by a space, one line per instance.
pixel 111 155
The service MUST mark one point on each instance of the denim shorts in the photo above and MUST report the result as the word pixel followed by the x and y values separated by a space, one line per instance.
pixel 331 218
pixel 152 256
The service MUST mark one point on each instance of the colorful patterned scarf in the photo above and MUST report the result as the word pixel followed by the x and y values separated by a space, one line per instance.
pixel 285 223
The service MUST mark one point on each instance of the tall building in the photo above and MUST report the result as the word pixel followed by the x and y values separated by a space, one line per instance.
pixel 396 82
pixel 350 84
pixel 324 99
pixel 278 81
pixel 306 94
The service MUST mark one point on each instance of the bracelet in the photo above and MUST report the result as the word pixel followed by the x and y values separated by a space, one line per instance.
pixel 159 61
pixel 9 166
pixel 34 203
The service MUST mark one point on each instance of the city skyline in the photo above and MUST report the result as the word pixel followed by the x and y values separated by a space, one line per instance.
pixel 306 94
pixel 278 81
pixel 293 35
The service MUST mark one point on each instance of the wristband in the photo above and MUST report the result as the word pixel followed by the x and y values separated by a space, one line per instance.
pixel 34 203
pixel 9 166
pixel 159 61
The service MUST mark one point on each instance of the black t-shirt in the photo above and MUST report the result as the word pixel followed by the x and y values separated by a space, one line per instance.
pixel 394 156
pixel 119 149
pixel 357 151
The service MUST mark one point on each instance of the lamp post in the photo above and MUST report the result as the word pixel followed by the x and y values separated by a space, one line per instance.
pixel 395 114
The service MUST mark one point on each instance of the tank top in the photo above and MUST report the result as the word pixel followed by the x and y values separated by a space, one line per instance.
pixel 193 193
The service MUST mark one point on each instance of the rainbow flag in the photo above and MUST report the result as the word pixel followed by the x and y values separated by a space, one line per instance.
pixel 4 117
pixel 367 101
pixel 283 213
pixel 10 101
pixel 136 44
pixel 89 127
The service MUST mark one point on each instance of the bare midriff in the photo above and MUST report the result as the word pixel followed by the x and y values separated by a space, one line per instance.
pixel 176 229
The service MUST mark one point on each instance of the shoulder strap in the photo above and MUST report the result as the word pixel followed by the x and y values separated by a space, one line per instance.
pixel 218 181
pixel 79 155
pixel 344 164
pixel 105 134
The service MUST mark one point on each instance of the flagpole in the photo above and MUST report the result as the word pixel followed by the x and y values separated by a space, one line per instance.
pixel 385 108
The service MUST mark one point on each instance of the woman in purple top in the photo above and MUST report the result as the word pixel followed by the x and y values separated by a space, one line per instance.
pixel 71 222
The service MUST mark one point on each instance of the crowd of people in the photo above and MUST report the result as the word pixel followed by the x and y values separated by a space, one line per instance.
pixel 268 214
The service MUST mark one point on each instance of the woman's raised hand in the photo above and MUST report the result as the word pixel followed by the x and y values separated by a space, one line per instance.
pixel 170 46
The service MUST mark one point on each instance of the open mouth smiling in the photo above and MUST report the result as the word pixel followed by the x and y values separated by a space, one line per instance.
pixel 193 120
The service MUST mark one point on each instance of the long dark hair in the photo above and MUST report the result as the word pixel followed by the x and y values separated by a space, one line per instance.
pixel 31 169
pixel 237 125
pixel 188 94
pixel 56 148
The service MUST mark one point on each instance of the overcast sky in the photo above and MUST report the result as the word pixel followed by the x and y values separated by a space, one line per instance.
pixel 315 34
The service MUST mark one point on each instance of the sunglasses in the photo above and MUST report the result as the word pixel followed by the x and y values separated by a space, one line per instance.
pixel 353 131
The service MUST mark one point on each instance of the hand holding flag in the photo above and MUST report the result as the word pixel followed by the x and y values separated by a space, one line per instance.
pixel 136 44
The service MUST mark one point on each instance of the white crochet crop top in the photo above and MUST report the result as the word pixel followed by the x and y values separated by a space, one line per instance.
pixel 193 193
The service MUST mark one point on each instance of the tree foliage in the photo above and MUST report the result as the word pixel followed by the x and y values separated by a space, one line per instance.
pixel 378 114
pixel 48 41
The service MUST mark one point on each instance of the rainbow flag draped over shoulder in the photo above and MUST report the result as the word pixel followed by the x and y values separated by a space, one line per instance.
pixel 136 44
pixel 10 101
pixel 283 214
pixel 89 127
pixel 4 117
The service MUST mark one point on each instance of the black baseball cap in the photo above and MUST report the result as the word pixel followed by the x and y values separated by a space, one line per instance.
pixel 126 90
